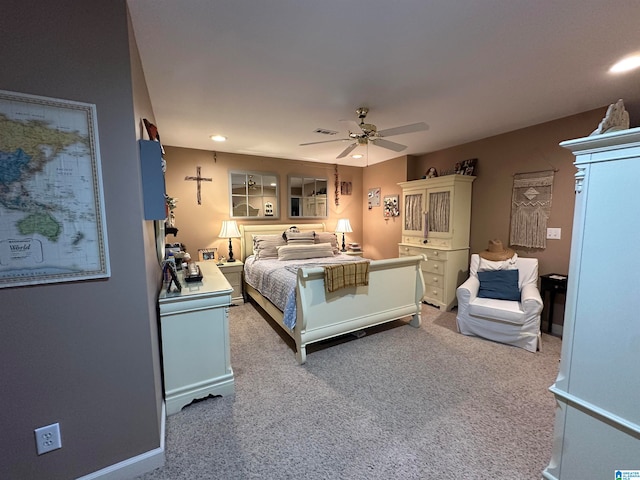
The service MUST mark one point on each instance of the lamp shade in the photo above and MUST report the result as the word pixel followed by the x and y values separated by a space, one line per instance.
pixel 343 226
pixel 229 229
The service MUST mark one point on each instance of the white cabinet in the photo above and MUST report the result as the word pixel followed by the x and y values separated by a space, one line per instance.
pixel 436 222
pixel 315 206
pixel 194 326
pixel 597 428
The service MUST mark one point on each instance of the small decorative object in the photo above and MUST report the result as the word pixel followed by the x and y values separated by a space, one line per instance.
pixel 374 197
pixel 172 203
pixel 153 133
pixel 169 271
pixel 229 230
pixel 346 188
pixel 343 227
pixel 198 178
pixel 337 186
pixel 468 167
pixel 268 209
pixel 432 173
pixel 391 206
pixel 207 254
pixel 616 118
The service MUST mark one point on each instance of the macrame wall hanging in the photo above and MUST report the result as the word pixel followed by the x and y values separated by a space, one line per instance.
pixel 530 208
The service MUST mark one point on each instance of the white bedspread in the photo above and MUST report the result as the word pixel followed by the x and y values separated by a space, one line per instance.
pixel 276 279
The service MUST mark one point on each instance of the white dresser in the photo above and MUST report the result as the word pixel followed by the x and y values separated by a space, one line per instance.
pixel 436 222
pixel 597 427
pixel 194 326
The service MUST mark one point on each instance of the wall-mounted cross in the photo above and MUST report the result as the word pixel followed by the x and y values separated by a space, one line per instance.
pixel 198 179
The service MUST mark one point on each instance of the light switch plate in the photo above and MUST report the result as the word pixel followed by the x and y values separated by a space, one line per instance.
pixel 554 233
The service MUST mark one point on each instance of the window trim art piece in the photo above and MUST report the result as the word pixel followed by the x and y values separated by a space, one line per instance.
pixel 50 159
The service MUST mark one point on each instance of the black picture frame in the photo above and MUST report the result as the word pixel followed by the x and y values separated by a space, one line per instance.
pixel 169 267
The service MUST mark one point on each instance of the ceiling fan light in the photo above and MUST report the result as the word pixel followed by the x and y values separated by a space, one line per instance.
pixel 218 138
pixel 357 155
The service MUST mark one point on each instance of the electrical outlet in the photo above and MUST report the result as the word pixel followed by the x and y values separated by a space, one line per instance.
pixel 554 233
pixel 48 438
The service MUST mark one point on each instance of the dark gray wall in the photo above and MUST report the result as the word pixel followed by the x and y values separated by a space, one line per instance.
pixel 81 354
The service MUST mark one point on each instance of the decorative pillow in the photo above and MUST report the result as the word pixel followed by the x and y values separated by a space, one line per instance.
pixel 265 246
pixel 499 284
pixel 489 265
pixel 300 252
pixel 328 237
pixel 300 238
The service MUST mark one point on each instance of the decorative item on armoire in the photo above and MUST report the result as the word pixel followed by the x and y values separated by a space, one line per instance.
pixel 431 173
pixel 616 118
pixel 530 208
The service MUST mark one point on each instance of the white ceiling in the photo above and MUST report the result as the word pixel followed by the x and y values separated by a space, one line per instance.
pixel 266 74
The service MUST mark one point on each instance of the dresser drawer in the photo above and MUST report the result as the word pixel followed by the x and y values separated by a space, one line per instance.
pixel 433 253
pixel 434 266
pixel 435 294
pixel 433 280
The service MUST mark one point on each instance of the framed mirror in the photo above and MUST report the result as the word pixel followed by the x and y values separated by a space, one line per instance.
pixel 253 195
pixel 307 197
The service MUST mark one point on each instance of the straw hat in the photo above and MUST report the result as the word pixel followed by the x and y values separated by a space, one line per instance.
pixel 496 252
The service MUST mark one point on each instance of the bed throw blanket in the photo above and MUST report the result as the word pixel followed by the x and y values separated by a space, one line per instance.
pixel 346 275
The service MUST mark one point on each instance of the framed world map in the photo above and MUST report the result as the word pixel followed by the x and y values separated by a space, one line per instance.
pixel 52 221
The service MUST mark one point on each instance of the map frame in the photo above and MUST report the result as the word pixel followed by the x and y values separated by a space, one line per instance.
pixel 98 249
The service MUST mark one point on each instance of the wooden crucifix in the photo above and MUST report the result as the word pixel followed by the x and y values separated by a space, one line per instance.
pixel 198 178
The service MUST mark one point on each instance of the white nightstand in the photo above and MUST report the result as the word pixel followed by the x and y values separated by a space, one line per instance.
pixel 233 273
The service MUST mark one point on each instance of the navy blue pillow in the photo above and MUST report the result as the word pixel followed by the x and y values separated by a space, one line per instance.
pixel 499 284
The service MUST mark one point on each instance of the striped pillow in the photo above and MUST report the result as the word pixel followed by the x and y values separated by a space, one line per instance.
pixel 300 238
pixel 266 246
pixel 328 237
pixel 300 252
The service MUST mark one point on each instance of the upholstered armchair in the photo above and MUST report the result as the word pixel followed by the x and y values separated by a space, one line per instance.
pixel 514 322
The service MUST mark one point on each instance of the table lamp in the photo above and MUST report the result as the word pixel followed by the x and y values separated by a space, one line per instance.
pixel 229 230
pixel 343 227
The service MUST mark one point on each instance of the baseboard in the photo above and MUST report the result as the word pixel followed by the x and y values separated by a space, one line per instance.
pixel 135 466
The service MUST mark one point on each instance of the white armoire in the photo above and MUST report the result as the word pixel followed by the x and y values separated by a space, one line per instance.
pixel 436 223
pixel 597 426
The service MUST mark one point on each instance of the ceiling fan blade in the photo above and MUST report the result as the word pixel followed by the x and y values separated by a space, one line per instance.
pixel 352 126
pixel 347 150
pixel 326 141
pixel 411 128
pixel 380 142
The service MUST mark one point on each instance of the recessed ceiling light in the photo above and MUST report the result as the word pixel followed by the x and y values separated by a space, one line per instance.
pixel 218 138
pixel 626 64
pixel 357 155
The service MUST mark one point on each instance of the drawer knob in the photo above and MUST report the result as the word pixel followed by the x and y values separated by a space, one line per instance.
pixel 435 279
pixel 435 267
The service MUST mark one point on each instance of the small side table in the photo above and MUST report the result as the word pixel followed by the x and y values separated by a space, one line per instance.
pixel 233 273
pixel 552 283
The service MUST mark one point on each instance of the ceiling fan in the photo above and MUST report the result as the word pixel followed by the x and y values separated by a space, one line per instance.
pixel 363 133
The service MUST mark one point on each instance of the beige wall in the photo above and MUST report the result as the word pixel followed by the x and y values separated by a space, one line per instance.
pixel 199 225
pixel 82 353
pixel 381 235
pixel 499 158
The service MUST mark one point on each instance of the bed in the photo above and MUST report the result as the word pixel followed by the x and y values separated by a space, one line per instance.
pixel 394 291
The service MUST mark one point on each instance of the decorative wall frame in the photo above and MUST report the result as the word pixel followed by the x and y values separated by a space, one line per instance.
pixel 205 254
pixel 47 236
pixel 346 188
pixel 391 205
pixel 374 197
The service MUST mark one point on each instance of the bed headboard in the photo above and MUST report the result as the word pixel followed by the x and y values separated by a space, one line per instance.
pixel 248 231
